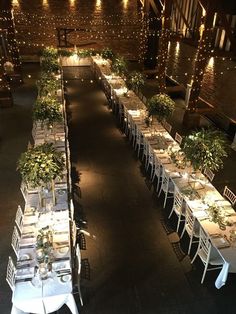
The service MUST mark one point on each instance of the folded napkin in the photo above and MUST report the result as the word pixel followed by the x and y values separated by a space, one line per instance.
pixel 26 272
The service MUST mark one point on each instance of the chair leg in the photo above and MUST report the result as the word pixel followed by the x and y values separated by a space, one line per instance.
pixel 178 224
pixel 190 244
pixel 80 296
pixel 204 273
pixel 183 231
pixel 172 210
pixel 195 254
pixel 165 199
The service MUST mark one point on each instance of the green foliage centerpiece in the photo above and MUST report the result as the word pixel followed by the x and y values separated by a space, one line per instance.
pixel 119 66
pixel 205 149
pixel 161 106
pixel 107 53
pixel 40 166
pixel 136 80
pixel 47 110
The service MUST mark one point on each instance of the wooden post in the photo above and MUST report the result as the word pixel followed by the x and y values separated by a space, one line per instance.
pixel 163 46
pixel 203 55
pixel 7 23
pixel 191 117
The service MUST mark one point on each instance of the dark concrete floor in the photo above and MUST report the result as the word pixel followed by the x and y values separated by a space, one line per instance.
pixel 137 264
pixel 134 262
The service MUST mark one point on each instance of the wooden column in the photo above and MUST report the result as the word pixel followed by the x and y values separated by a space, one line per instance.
pixel 7 23
pixel 203 55
pixel 163 46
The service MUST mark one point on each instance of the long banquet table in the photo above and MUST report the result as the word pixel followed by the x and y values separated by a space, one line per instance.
pixel 160 143
pixel 32 293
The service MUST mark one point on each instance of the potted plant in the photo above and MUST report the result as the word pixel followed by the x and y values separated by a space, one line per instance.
pixel 161 106
pixel 205 148
pixel 136 80
pixel 40 166
pixel 47 110
pixel 119 66
pixel 107 53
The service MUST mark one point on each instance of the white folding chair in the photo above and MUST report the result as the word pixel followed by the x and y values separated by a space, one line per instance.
pixel 229 195
pixel 138 141
pixel 11 273
pixel 157 172
pixel 167 126
pixel 19 218
pixel 178 138
pixel 209 174
pixel 15 242
pixel 178 208
pixel 29 195
pixel 167 186
pixel 78 262
pixel 191 226
pixel 207 253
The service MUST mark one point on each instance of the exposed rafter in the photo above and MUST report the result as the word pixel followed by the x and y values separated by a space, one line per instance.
pixel 182 14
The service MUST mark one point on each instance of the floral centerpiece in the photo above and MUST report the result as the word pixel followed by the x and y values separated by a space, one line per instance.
pixel 161 106
pixel 40 166
pixel 119 66
pixel 136 80
pixel 44 250
pixel 47 110
pixel 205 149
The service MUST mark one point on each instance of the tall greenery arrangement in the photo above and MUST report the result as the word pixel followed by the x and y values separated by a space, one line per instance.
pixel 47 110
pixel 205 148
pixel 107 53
pixel 136 80
pixel 41 165
pixel 161 106
pixel 119 66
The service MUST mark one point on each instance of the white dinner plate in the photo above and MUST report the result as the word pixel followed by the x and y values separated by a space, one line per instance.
pixel 63 250
pixel 65 278
pixel 24 257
